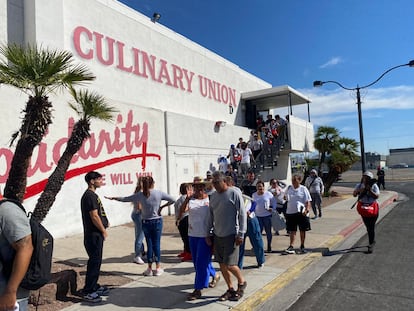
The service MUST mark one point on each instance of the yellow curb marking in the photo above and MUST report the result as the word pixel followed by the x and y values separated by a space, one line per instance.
pixel 270 289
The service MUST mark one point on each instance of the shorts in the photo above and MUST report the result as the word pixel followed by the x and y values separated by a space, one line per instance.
pixel 293 221
pixel 226 251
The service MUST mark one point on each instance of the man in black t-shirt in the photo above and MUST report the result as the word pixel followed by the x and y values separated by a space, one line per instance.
pixel 95 223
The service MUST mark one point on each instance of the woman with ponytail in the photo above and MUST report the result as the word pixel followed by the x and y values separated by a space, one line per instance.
pixel 150 202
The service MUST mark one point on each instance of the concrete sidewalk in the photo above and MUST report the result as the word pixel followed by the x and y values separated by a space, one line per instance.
pixel 170 290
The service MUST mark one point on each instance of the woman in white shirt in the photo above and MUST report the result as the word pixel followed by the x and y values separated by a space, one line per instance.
pixel 264 201
pixel 197 206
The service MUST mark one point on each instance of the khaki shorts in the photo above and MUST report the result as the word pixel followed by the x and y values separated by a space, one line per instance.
pixel 225 250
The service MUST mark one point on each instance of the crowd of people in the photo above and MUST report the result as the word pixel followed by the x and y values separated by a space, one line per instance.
pixel 264 144
pixel 213 217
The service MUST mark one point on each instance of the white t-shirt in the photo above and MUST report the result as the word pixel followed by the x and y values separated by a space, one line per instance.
pixel 198 216
pixel 262 201
pixel 296 199
pixel 245 155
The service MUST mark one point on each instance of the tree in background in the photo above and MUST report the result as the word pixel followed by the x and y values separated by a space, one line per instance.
pixel 87 105
pixel 37 72
pixel 338 153
pixel 326 138
pixel 341 159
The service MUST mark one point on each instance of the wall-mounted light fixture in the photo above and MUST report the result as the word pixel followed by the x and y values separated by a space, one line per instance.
pixel 155 17
pixel 220 124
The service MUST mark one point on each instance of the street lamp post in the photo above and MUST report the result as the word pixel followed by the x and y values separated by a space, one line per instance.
pixel 358 95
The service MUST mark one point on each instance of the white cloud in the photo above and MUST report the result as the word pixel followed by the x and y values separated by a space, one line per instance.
pixel 332 62
pixel 326 102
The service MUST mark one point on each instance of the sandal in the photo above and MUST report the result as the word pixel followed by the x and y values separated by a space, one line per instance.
pixel 196 294
pixel 230 294
pixel 214 282
pixel 241 288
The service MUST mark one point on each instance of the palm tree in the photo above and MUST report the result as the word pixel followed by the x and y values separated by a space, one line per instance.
pixel 341 160
pixel 88 106
pixel 326 139
pixel 37 72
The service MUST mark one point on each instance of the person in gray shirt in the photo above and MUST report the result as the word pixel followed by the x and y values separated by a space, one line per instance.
pixel 316 188
pixel 16 250
pixel 150 201
pixel 228 218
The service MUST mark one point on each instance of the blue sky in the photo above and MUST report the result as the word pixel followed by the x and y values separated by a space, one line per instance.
pixel 296 42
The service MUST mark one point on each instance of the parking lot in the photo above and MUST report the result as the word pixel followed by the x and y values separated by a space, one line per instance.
pixel 391 174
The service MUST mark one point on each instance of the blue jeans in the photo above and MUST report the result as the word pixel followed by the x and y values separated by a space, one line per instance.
pixel 152 230
pixel 139 233
pixel 255 236
pixel 266 223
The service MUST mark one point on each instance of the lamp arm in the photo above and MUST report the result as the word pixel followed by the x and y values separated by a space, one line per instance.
pixel 340 85
pixel 380 77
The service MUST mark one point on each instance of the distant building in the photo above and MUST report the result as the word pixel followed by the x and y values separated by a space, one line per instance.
pixel 372 161
pixel 401 155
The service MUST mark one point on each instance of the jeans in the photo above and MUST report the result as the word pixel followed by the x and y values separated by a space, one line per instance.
pixel 139 233
pixel 316 204
pixel 201 254
pixel 370 225
pixel 152 230
pixel 93 245
pixel 266 223
pixel 255 237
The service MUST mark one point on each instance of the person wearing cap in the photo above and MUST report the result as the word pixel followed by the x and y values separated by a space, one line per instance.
pixel 368 192
pixel 316 188
pixel 95 223
pixel 196 205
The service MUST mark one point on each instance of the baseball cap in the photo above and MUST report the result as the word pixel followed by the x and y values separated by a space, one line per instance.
pixel 368 174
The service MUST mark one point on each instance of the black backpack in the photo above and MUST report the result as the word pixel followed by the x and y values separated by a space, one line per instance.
pixel 39 271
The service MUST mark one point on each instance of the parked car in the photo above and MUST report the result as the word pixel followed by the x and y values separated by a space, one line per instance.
pixel 400 165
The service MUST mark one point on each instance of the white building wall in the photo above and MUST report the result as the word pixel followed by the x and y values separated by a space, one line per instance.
pixel 141 127
pixel 165 126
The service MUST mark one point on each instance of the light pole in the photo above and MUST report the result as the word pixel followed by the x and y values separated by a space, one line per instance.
pixel 358 95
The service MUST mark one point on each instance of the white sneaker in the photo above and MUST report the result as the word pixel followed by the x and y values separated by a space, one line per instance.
pixel 138 260
pixel 158 272
pixel 148 272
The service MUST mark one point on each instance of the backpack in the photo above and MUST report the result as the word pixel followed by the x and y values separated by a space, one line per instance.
pixel 39 271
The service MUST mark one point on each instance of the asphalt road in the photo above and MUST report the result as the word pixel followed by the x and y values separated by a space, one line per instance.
pixel 359 281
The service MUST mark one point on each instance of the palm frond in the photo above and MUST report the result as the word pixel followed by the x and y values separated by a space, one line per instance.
pixel 90 105
pixel 40 71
